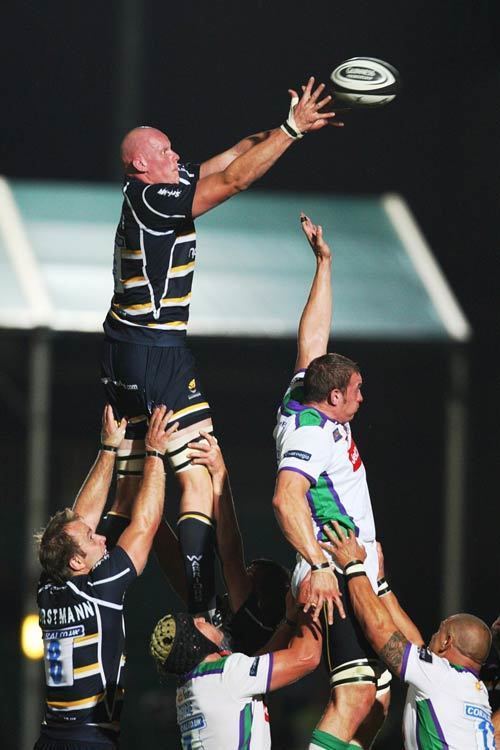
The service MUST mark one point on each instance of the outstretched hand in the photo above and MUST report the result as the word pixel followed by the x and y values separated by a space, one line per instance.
pixel 342 548
pixel 112 432
pixel 158 436
pixel 314 234
pixel 308 111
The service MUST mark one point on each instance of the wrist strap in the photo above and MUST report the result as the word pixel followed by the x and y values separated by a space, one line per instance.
pixel 320 566
pixel 383 587
pixel 155 454
pixel 354 568
pixel 290 126
pixel 109 448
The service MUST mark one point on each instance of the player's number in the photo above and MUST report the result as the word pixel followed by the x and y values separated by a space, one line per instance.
pixel 59 661
pixel 485 735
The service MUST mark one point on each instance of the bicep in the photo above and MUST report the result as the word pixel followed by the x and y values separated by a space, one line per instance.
pixel 211 191
pixel 137 543
pixel 393 650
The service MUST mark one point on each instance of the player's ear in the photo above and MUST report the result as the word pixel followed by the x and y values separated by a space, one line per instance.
pixel 76 563
pixel 334 397
pixel 139 164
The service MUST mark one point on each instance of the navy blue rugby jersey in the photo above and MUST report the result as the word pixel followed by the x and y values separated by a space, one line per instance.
pixel 154 259
pixel 84 650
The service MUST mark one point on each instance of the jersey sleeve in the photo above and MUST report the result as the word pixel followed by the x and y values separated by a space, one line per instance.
pixel 306 450
pixel 165 205
pixel 109 578
pixel 246 676
pixel 422 669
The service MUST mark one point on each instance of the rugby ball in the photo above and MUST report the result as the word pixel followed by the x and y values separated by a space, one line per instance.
pixel 365 82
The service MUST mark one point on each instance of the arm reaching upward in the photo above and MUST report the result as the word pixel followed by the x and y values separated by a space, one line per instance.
pixel 391 603
pixel 91 499
pixel 229 540
pixel 375 620
pixel 316 319
pixel 147 509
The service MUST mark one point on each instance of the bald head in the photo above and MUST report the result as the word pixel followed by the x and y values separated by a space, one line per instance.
pixel 147 154
pixel 471 635
pixel 462 639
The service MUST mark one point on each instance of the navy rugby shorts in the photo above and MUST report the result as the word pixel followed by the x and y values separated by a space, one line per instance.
pixel 137 378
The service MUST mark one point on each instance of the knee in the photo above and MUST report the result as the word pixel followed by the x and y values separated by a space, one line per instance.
pixel 356 701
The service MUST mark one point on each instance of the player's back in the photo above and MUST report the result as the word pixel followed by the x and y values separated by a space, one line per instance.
pixel 220 704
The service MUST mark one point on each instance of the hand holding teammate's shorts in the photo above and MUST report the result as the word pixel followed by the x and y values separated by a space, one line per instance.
pixel 112 432
pixel 324 591
pixel 157 436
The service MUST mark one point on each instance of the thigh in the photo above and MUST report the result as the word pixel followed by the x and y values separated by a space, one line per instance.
pixel 124 370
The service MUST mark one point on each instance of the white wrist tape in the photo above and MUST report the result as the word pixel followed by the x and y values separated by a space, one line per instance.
pixel 290 126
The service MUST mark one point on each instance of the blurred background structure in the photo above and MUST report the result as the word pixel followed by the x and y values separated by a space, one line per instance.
pixel 75 79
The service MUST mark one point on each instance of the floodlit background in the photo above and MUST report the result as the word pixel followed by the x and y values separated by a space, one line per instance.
pixel 76 77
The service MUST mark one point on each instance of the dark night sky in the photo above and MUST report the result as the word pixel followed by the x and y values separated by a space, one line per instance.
pixel 212 72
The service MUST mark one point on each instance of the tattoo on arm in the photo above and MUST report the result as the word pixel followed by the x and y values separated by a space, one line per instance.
pixel 392 652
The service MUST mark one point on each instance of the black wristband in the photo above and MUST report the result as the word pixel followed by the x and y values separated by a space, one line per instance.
pixel 320 566
pixel 155 454
pixel 109 448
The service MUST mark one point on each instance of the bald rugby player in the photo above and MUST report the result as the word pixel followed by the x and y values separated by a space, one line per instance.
pixel 447 704
pixel 145 360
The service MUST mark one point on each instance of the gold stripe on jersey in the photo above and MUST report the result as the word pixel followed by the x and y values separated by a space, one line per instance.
pixel 188 237
pixel 131 254
pixel 181 270
pixel 179 325
pixel 189 410
pixel 86 640
pixel 139 309
pixel 134 281
pixel 90 669
pixel 176 301
pixel 92 700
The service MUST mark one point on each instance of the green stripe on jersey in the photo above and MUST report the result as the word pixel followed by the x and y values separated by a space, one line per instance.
pixel 428 730
pixel 327 741
pixel 246 718
pixel 294 394
pixel 209 667
pixel 310 418
pixel 326 507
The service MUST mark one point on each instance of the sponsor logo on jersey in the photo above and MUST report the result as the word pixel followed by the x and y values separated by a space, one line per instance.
pixel 475 712
pixel 354 456
pixel 169 192
pixel 336 435
pixel 195 722
pixel 254 667
pixel 424 654
pixel 302 455
pixel 51 635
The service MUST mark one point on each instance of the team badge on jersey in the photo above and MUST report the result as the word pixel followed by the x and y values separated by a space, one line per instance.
pixel 254 667
pixel 336 435
pixel 193 389
pixel 354 456
pixel 425 655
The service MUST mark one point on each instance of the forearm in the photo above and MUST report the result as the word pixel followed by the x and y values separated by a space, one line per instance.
pixel 316 319
pixel 373 617
pixel 91 499
pixel 400 618
pixel 257 160
pixel 229 539
pixel 219 162
pixel 294 519
pixel 147 510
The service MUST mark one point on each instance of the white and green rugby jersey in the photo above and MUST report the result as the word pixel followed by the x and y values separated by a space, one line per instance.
pixel 446 706
pixel 220 704
pixel 323 451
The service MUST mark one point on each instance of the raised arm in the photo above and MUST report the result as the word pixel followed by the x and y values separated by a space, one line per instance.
pixel 147 509
pixel 302 655
pixel 388 598
pixel 375 620
pixel 229 539
pixel 316 319
pixel 249 166
pixel 219 162
pixel 91 499
pixel 294 518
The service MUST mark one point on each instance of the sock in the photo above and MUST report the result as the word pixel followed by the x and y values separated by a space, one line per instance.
pixel 197 540
pixel 324 741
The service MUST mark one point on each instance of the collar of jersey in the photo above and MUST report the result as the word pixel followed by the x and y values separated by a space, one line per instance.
pixel 459 668
pixel 297 406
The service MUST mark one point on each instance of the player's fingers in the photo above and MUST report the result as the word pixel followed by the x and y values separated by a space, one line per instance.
pixel 318 90
pixel 211 439
pixel 293 94
pixel 339 605
pixel 309 85
pixel 329 611
pixel 173 428
pixel 323 102
pixel 318 608
pixel 165 419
